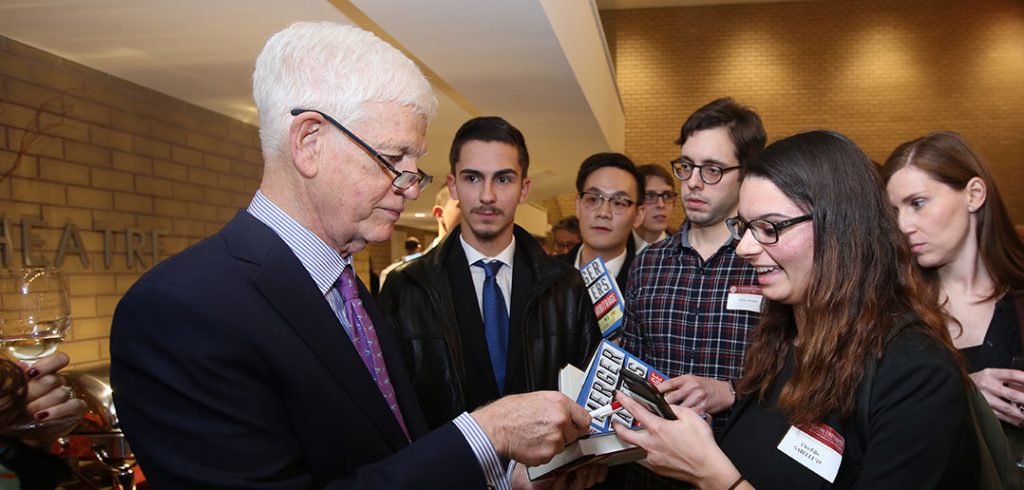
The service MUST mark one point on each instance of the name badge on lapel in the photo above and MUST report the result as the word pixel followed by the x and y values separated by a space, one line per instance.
pixel 746 298
pixel 818 447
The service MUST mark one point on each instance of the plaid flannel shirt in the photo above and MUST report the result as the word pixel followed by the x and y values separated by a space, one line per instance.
pixel 676 317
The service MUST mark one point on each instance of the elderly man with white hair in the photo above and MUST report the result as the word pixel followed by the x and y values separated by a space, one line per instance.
pixel 256 358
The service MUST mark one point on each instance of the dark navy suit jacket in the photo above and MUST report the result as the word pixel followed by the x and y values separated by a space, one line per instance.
pixel 230 370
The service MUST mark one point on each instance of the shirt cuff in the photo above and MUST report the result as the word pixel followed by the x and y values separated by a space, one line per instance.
pixel 484 452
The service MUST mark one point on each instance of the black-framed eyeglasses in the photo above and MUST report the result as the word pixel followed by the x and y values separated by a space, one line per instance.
pixel 765 232
pixel 710 174
pixel 652 197
pixel 593 201
pixel 403 179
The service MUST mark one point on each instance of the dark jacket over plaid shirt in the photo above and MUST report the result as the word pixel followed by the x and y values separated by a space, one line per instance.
pixel 676 317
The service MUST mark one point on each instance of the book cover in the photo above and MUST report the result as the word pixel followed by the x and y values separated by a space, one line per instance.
pixel 602 379
pixel 606 296
pixel 594 389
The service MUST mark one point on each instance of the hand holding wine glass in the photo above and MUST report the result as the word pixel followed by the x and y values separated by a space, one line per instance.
pixel 51 403
pixel 34 317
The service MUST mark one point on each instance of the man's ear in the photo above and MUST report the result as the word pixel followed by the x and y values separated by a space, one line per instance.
pixel 525 192
pixel 305 141
pixel 641 210
pixel 977 192
pixel 451 187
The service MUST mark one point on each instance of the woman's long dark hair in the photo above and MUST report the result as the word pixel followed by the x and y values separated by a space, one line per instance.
pixel 863 278
pixel 947 158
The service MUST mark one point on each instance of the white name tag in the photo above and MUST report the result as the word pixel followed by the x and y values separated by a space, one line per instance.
pixel 818 447
pixel 746 298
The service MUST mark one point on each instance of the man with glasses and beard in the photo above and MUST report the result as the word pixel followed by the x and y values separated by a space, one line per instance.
pixel 691 301
pixel 487 313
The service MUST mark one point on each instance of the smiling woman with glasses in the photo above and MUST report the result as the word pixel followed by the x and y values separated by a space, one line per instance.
pixel 403 179
pixel 850 366
pixel 765 232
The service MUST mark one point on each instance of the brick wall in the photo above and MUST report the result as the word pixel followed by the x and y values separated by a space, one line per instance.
pixel 85 147
pixel 79 145
pixel 881 72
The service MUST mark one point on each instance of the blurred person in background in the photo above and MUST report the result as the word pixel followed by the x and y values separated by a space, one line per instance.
pixel 565 235
pixel 659 199
pixel 446 213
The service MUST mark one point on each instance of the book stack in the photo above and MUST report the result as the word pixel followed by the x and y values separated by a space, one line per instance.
pixel 594 389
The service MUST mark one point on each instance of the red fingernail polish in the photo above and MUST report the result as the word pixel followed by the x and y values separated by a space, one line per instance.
pixel 32 372
pixel 42 415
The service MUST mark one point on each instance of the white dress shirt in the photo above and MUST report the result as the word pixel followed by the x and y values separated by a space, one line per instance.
pixel 613 266
pixel 503 278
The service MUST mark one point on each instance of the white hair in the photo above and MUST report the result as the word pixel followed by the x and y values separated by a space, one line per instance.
pixel 334 68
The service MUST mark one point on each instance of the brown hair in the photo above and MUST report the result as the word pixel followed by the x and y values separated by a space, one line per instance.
pixel 947 158
pixel 745 128
pixel 862 282
pixel 649 170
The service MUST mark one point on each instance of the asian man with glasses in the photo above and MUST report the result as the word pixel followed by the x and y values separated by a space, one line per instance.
pixel 609 207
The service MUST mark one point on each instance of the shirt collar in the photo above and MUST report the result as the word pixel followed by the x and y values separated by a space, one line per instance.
pixel 323 263
pixel 613 266
pixel 505 256
pixel 684 236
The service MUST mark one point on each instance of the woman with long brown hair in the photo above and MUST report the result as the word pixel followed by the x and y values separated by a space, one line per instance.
pixel 842 295
pixel 971 258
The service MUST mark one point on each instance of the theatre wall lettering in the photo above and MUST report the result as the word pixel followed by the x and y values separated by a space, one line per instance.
pixel 137 247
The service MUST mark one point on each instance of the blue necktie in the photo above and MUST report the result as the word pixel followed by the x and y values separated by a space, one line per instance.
pixel 495 321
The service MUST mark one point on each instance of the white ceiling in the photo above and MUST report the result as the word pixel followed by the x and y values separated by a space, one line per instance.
pixel 541 64
pixel 490 57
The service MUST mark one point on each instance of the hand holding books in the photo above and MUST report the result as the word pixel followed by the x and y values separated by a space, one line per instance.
pixel 699 393
pixel 594 390
pixel 683 449
pixel 533 427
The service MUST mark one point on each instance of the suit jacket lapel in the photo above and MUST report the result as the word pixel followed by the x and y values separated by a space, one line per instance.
pixel 623 276
pixel 523 281
pixel 400 381
pixel 285 283
pixel 479 386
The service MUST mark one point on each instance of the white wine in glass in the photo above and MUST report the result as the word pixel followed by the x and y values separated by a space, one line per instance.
pixel 35 312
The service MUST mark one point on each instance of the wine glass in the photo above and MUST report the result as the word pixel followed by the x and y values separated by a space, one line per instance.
pixel 34 312
pixel 34 317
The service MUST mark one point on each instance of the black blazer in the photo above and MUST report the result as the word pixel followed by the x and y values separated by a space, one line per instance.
pixel 230 370
pixel 434 305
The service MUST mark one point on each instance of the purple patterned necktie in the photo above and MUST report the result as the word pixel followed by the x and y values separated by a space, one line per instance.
pixel 364 337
